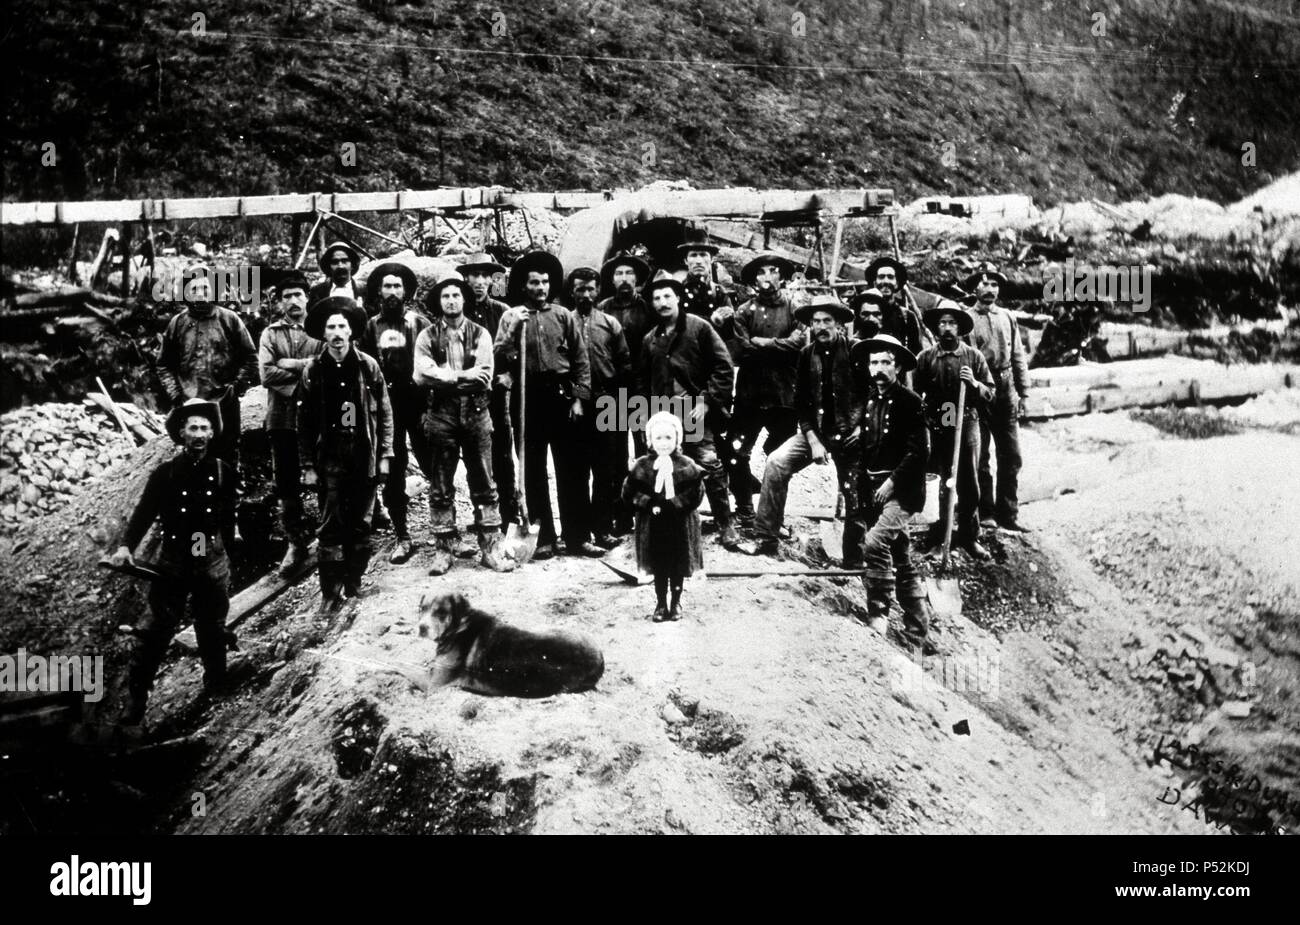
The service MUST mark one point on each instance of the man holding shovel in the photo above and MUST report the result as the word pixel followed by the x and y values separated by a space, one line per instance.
pixel 453 358
pixel 954 381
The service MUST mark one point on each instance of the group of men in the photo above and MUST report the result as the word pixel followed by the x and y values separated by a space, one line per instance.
pixel 352 397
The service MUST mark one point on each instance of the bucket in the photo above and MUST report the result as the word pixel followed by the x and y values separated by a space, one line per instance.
pixel 930 513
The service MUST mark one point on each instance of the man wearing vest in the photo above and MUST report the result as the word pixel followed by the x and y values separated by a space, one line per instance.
pixel 997 336
pixel 282 355
pixel 390 338
pixel 345 425
pixel 453 359
pixel 339 262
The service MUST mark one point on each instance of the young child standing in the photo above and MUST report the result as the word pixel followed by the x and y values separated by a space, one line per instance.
pixel 665 488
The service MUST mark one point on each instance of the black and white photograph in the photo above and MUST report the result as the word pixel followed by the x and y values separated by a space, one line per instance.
pixel 587 417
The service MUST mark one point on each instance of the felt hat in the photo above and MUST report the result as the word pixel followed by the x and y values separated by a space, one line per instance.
pixel 195 406
pixel 661 280
pixel 433 298
pixel 343 246
pixel 862 350
pixel 983 270
pixel 875 296
pixel 294 279
pixel 824 302
pixel 320 312
pixel 900 270
pixel 480 263
pixel 749 273
pixel 624 259
pixel 391 268
pixel 965 323
pixel 538 261
pixel 696 240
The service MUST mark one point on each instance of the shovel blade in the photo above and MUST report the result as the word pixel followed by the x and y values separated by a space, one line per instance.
pixel 628 577
pixel 832 537
pixel 945 596
pixel 518 546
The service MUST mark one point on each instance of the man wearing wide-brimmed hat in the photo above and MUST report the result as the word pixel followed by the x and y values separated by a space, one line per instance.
pixel 282 354
pixel 339 262
pixel 602 453
pixel 768 339
pixel 453 360
pixel 997 336
pixel 207 352
pixel 192 495
pixel 479 271
pixel 684 362
pixel 704 297
pixel 345 425
pixel 557 382
pixel 940 370
pixel 390 338
pixel 895 448
pixel 828 403
pixel 623 277
pixel 889 277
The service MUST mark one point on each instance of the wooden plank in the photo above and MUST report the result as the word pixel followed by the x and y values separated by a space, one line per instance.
pixel 253 598
pixel 27 213
pixel 173 209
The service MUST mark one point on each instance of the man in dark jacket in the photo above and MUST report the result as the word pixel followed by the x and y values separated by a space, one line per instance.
pixel 192 496
pixel 479 272
pixel 684 361
pixel 339 262
pixel 390 338
pixel 895 447
pixel 940 370
pixel 207 353
pixel 768 340
pixel 828 403
pixel 602 445
pixel 889 277
pixel 623 277
pixel 557 382
pixel 345 424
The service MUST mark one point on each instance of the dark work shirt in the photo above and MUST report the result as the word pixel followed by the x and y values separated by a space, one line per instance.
pixel 938 380
pixel 186 498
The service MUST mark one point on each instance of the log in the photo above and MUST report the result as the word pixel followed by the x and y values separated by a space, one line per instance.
pixel 131 425
pixel 253 598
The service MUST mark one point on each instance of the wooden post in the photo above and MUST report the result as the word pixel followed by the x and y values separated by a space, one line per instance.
pixel 297 234
pixel 125 247
pixel 835 252
pixel 72 254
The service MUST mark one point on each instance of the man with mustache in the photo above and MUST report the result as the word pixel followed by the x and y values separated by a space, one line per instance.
pixel 193 497
pixel 939 371
pixel 453 359
pixel 828 401
pixel 684 360
pixel 282 354
pixel 997 336
pixel 602 450
pixel 889 277
pixel 345 428
pixel 339 262
pixel 895 447
pixel 704 297
pixel 557 382
pixel 390 338
pixel 768 339
pixel 623 277
pixel 207 353
pixel 479 271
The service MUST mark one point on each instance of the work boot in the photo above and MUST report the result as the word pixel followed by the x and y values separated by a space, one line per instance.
pixel 440 562
pixel 1012 526
pixel 606 540
pixel 988 521
pixel 294 557
pixel 402 551
pixel 331 589
pixel 916 614
pixel 767 546
pixel 354 571
pixel 588 549
pixel 744 515
pixel 466 548
pixel 976 550
pixel 544 551
pixel 729 538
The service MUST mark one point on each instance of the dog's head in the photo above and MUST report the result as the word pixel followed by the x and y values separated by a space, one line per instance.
pixel 443 616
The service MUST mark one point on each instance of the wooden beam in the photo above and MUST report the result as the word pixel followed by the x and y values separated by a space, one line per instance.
pixel 253 598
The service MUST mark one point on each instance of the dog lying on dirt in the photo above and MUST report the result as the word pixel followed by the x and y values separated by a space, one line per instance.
pixel 479 653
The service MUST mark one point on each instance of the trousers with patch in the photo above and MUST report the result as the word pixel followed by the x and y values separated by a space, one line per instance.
pixel 455 428
pixel 793 456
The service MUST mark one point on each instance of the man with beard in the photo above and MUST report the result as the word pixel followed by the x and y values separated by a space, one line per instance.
pixel 939 371
pixel 828 401
pixel 390 338
pixel 485 311
pixel 888 277
pixel 207 353
pixel 895 447
pixel 339 262
pixel 684 361
pixel 623 277
pixel 997 336
pixel 768 341
pixel 453 359
pixel 557 382
pixel 601 445
pixel 345 426
pixel 192 495
pixel 867 313
pixel 282 354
